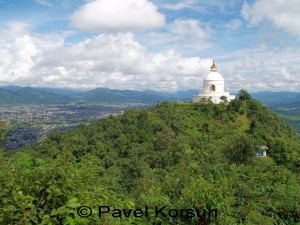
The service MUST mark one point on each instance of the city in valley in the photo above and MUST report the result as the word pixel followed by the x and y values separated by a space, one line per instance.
pixel 31 123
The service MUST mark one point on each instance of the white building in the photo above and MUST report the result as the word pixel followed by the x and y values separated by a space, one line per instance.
pixel 213 87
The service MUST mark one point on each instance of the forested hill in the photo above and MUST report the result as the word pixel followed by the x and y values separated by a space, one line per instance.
pixel 178 155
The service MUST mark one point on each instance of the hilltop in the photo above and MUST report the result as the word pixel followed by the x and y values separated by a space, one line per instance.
pixel 285 104
pixel 178 155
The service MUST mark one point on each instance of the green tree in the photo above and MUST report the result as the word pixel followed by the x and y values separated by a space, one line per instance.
pixel 178 155
pixel 224 99
pixel 244 95
pixel 4 128
pixel 242 149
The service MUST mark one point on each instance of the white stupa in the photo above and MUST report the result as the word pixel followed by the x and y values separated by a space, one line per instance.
pixel 213 86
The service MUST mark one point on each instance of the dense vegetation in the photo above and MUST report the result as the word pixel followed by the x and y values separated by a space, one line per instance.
pixel 285 104
pixel 291 117
pixel 179 155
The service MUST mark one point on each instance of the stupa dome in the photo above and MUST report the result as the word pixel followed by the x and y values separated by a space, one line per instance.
pixel 214 76
pixel 213 87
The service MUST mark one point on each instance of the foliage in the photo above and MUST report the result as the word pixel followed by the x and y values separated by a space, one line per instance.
pixel 241 150
pixel 4 128
pixel 243 95
pixel 178 155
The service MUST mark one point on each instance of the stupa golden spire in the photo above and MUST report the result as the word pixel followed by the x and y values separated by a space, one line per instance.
pixel 213 67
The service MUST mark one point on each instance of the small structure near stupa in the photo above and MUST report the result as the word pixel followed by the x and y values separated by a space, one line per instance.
pixel 263 151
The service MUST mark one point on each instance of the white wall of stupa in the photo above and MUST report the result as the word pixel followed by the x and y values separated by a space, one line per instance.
pixel 213 87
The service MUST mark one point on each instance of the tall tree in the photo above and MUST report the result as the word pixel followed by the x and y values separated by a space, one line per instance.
pixel 241 149
pixel 244 95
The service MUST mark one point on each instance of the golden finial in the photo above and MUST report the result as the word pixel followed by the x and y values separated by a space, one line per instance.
pixel 213 67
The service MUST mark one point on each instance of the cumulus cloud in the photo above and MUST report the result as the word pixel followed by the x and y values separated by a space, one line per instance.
pixel 44 2
pixel 281 13
pixel 118 15
pixel 180 34
pixel 190 4
pixel 118 61
pixel 107 60
pixel 286 79
pixel 270 69
pixel 202 6
pixel 21 51
pixel 234 24
pixel 17 53
pixel 13 29
pixel 188 27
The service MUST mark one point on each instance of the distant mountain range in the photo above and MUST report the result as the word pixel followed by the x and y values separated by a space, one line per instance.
pixel 278 99
pixel 28 95
pixel 13 95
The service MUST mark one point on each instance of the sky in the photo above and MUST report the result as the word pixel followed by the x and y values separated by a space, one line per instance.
pixel 162 45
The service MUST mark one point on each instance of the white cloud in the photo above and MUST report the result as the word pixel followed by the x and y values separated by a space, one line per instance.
pixel 43 2
pixel 118 15
pixel 190 34
pixel 17 60
pixel 202 6
pixel 271 69
pixel 114 61
pixel 21 51
pixel 120 61
pixel 286 79
pixel 13 29
pixel 180 34
pixel 281 13
pixel 234 24
pixel 17 50
pixel 190 4
pixel 189 27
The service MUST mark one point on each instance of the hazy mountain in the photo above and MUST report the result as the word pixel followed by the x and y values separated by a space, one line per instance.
pixel 186 94
pixel 62 91
pixel 28 95
pixel 278 99
pixel 161 93
pixel 275 96
pixel 42 97
pixel 11 87
pixel 7 97
pixel 106 95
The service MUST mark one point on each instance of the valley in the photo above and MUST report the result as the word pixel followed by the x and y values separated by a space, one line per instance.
pixel 31 123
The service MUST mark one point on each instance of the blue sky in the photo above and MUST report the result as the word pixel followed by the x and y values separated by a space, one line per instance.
pixel 160 44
